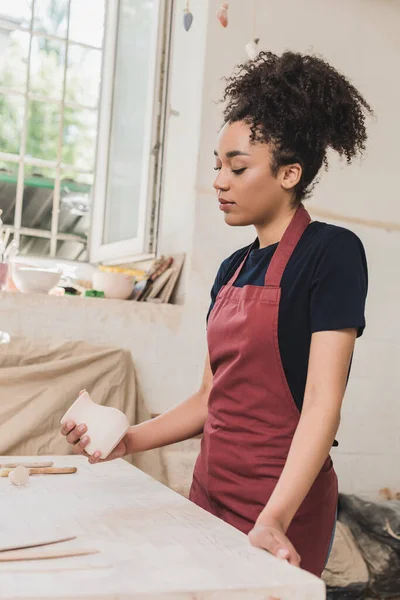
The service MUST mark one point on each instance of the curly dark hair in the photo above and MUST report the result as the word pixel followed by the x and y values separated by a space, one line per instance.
pixel 302 106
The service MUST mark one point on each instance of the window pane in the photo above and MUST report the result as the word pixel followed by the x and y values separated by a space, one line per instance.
pixel 34 246
pixel 75 213
pixel 14 50
pixel 75 198
pixel 31 172
pixel 84 180
pixel 130 111
pixel 72 251
pixel 51 16
pixel 83 75
pixel 47 67
pixel 43 130
pixel 11 121
pixel 8 188
pixel 37 206
pixel 79 140
pixel 87 22
pixel 18 12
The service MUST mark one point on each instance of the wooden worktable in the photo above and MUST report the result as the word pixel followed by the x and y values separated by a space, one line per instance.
pixel 153 542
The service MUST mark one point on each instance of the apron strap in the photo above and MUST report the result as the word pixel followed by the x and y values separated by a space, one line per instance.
pixel 236 273
pixel 283 252
pixel 286 246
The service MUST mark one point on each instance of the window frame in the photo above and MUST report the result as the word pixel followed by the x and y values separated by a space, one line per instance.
pixel 143 246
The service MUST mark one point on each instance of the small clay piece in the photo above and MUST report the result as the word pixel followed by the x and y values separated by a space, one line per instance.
pixel 19 476
pixel 252 49
pixel 222 14
pixel 386 494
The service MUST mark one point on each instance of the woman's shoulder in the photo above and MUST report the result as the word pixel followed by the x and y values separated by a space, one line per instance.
pixel 324 234
pixel 324 239
pixel 333 249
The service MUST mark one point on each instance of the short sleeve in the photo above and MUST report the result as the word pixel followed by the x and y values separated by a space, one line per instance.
pixel 340 284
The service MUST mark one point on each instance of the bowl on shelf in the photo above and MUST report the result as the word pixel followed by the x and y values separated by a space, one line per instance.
pixel 114 285
pixel 29 279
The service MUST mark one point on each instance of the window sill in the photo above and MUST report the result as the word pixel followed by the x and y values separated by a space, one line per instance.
pixel 18 301
pixel 142 327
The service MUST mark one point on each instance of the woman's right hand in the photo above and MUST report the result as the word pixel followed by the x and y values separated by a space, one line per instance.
pixel 74 432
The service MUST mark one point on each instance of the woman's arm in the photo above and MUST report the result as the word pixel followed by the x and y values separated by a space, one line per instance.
pixel 330 356
pixel 175 425
pixel 180 423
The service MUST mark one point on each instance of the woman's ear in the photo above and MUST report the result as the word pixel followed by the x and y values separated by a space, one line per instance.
pixel 290 175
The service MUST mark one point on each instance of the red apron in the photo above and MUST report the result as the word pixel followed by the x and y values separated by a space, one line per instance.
pixel 252 416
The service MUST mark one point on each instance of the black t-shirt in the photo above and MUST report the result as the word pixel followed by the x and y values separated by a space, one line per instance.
pixel 323 288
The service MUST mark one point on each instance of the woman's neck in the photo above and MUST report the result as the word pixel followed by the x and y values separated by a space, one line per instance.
pixel 272 231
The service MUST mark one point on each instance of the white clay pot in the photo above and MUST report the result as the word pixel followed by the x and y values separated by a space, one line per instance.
pixel 106 426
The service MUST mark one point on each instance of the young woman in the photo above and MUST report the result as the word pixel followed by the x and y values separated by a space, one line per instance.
pixel 284 317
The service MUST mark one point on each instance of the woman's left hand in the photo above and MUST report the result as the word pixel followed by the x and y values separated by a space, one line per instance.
pixel 269 535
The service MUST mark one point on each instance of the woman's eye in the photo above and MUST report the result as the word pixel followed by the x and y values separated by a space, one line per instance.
pixel 235 171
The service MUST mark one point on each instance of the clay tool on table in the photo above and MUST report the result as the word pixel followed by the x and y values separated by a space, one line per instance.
pixel 35 543
pixel 27 465
pixel 16 555
pixel 43 471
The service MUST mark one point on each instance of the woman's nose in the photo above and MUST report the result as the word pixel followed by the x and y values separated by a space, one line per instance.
pixel 221 182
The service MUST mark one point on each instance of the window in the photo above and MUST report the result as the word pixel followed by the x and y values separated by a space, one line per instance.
pixel 80 79
pixel 50 68
pixel 130 139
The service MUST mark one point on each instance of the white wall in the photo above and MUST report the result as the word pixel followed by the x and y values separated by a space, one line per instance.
pixel 361 38
pixel 183 133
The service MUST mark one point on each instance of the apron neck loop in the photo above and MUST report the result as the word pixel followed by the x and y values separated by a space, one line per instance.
pixel 283 252
pixel 286 246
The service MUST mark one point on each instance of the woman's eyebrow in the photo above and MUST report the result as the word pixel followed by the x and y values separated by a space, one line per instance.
pixel 233 153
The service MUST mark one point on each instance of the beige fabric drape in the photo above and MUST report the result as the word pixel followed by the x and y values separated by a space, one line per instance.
pixel 39 380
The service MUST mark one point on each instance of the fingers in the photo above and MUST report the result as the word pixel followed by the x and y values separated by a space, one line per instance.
pixel 273 545
pixel 67 427
pixel 118 452
pixel 276 543
pixel 95 458
pixel 76 433
pixel 79 447
pixel 289 553
pixel 283 549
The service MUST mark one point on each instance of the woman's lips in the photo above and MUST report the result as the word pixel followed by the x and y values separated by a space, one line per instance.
pixel 225 205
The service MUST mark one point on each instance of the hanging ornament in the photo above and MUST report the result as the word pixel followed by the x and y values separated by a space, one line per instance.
pixel 252 49
pixel 187 17
pixel 222 14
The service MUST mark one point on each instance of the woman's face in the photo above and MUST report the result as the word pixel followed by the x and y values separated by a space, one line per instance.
pixel 247 191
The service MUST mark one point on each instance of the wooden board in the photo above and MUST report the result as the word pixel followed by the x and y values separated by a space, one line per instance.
pixel 152 543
